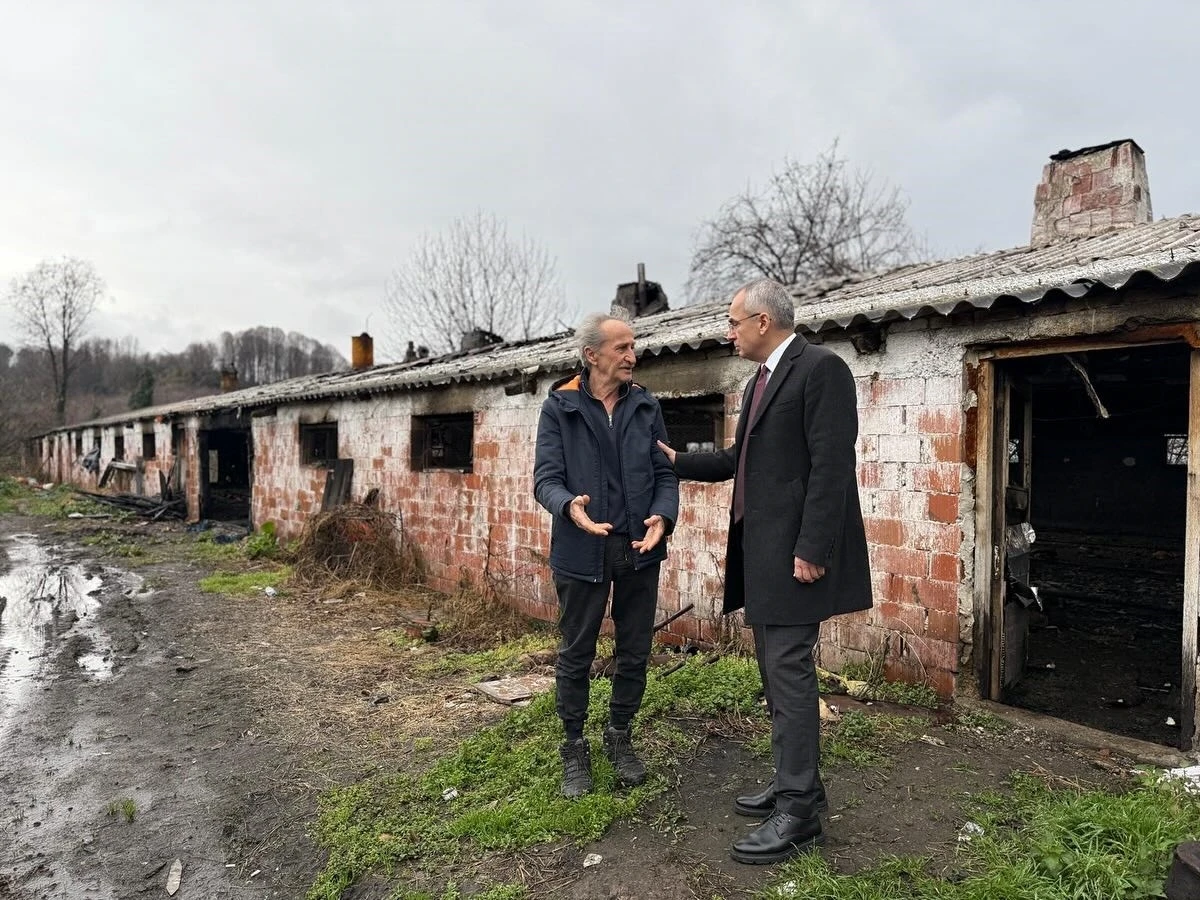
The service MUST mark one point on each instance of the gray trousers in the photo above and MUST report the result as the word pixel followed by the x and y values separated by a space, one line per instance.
pixel 789 678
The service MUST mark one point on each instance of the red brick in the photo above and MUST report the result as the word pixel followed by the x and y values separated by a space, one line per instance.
pixel 943 507
pixel 939 420
pixel 901 561
pixel 889 532
pixel 869 474
pixel 901 617
pixel 944 567
pixel 946 448
pixel 942 625
pixel 944 478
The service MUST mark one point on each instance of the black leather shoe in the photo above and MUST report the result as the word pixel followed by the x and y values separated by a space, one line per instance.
pixel 762 804
pixel 781 837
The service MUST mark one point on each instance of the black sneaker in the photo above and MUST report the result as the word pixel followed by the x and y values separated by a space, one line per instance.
pixel 577 768
pixel 618 747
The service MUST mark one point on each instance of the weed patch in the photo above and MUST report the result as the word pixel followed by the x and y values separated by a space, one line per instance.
pixel 878 688
pixel 506 658
pixel 243 582
pixel 499 791
pixel 1053 842
pixel 125 808
pixel 861 741
pixel 56 503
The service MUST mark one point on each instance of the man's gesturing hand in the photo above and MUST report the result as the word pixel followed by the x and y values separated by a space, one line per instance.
pixel 579 516
pixel 670 454
pixel 655 529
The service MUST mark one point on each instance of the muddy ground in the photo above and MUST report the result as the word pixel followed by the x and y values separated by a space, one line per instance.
pixel 222 719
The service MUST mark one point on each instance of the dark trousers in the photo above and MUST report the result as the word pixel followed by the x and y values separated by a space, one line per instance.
pixel 581 611
pixel 789 678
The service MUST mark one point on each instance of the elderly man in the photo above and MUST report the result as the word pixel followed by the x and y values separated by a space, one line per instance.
pixel 796 552
pixel 614 499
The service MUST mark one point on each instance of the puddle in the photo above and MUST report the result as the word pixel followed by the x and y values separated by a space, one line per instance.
pixel 45 599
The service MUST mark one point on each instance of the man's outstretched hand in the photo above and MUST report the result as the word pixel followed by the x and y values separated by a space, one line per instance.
pixel 578 513
pixel 655 529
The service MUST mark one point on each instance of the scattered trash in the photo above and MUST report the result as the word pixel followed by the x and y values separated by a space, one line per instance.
pixel 449 794
pixel 270 591
pixel 380 698
pixel 829 713
pixel 1190 775
pixel 1051 666
pixel 514 689
pixel 592 859
pixel 174 876
pixel 255 872
pixel 969 831
pixel 935 741
pixel 1171 721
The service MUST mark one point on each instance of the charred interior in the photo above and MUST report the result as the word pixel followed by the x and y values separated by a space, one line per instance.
pixel 225 473
pixel 1097 453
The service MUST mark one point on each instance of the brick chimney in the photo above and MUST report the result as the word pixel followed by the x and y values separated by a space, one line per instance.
pixel 1091 191
pixel 229 379
pixel 362 351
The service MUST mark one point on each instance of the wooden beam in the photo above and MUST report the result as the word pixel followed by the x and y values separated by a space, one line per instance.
pixel 1187 332
pixel 1191 568
pixel 986 648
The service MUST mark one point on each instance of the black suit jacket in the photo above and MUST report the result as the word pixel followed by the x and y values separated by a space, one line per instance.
pixel 801 494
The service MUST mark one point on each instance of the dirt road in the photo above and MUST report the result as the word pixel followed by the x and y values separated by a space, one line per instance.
pixel 143 721
pixel 115 707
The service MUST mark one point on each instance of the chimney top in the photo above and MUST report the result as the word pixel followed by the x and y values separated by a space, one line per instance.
pixel 1091 191
pixel 641 297
pixel 362 351
pixel 229 379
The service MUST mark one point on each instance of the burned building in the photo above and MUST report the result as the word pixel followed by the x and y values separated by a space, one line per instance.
pixel 1029 455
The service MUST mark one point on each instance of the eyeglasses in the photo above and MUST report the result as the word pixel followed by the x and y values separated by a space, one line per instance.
pixel 734 323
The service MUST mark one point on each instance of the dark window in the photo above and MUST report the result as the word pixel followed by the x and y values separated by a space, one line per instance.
pixel 443 442
pixel 118 446
pixel 318 443
pixel 695 423
pixel 148 448
pixel 79 443
pixel 1177 449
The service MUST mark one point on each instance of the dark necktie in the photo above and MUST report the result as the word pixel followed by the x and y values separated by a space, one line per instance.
pixel 739 480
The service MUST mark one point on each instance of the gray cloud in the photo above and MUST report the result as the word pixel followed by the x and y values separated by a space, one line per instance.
pixel 226 165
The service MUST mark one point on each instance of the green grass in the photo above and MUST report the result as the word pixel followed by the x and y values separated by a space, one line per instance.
pixel 1038 841
pixel 56 503
pixel 125 808
pixel 878 688
pixel 113 544
pixel 243 582
pixel 981 720
pixel 862 741
pixel 505 781
pixel 503 659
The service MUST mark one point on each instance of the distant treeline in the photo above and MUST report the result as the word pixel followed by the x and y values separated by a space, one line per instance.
pixel 111 376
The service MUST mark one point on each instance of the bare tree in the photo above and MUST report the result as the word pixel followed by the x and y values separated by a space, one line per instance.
pixel 474 276
pixel 51 305
pixel 810 220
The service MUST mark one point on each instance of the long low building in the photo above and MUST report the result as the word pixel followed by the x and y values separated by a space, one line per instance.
pixel 1029 443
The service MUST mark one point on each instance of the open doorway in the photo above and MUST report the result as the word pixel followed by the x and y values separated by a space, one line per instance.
pixel 1089 506
pixel 225 475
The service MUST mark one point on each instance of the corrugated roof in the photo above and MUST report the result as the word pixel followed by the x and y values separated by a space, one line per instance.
pixel 1159 251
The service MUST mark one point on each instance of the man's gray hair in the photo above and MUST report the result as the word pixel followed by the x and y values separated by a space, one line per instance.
pixel 771 297
pixel 589 334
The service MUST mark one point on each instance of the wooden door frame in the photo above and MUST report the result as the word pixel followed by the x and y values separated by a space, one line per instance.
pixel 987 591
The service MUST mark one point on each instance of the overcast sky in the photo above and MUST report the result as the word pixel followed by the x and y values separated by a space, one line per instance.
pixel 230 164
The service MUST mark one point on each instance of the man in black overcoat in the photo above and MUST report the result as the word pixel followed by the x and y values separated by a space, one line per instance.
pixel 797 551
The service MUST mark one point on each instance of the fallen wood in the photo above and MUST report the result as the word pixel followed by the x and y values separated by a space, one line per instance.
pixel 671 618
pixel 151 507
